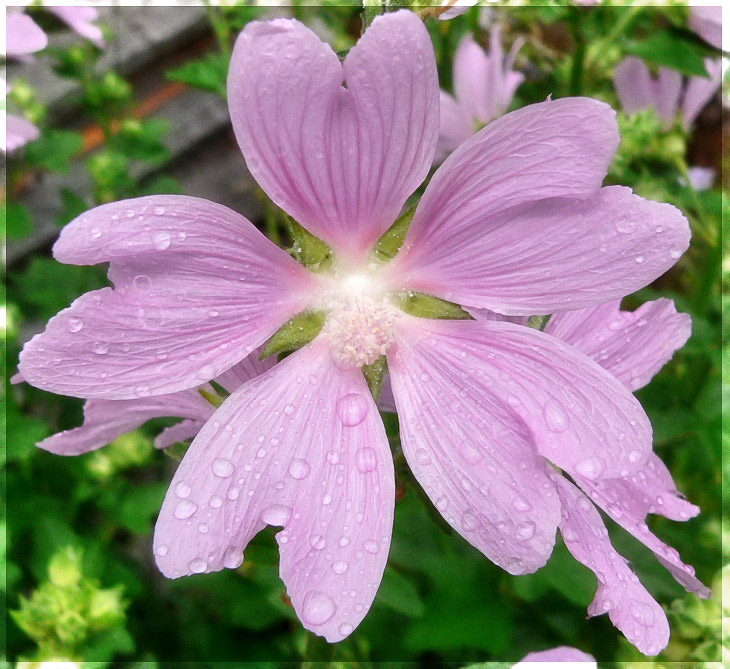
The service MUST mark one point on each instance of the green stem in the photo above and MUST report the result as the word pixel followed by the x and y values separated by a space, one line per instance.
pixel 576 71
pixel 220 29
pixel 599 47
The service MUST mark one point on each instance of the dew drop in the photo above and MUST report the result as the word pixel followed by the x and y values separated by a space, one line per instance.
pixel 289 409
pixel 352 409
pixel 521 504
pixel 299 469
pixel 197 566
pixel 422 457
pixel 525 530
pixel 442 503
pixel 366 460
pixel 469 521
pixel 634 456
pixel 182 489
pixel 625 226
pixel 340 567
pixel 161 550
pixel 591 467
pixel 675 253
pixel 203 528
pixel 317 542
pixel 639 259
pixel 233 557
pixel 216 502
pixel 345 629
pixel 222 468
pixel 555 417
pixel 371 546
pixel 159 211
pixel 161 240
pixel 141 282
pixel 100 347
pixel 277 514
pixel 74 324
pixel 185 509
pixel 318 608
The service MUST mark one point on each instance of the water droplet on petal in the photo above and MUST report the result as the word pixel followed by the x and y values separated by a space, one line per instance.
pixel 521 504
pixel 74 324
pixel 161 240
pixel 277 514
pixel 442 503
pixel 352 409
pixel 371 546
pixel 625 226
pixel 159 210
pixel 299 469
pixel 639 259
pixel 233 557
pixel 216 502
pixel 675 253
pixel 141 282
pixel 222 468
pixel 203 528
pixel 423 457
pixel 591 467
pixel 289 409
pixel 182 489
pixel 161 550
pixel 469 521
pixel 634 456
pixel 555 417
pixel 366 460
pixel 185 509
pixel 198 565
pixel 525 530
pixel 317 542
pixel 318 608
pixel 345 629
pixel 340 567
pixel 100 347
pixel 142 391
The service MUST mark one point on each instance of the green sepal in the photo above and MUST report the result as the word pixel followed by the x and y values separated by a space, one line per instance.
pixel 537 322
pixel 428 306
pixel 211 397
pixel 387 247
pixel 374 374
pixel 294 334
pixel 307 249
pixel 177 451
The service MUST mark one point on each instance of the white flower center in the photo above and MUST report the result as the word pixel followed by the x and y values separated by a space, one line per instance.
pixel 360 318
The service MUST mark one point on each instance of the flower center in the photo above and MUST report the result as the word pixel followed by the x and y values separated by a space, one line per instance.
pixel 360 319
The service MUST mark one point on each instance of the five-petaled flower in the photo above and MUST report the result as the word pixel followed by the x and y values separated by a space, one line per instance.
pixel 515 221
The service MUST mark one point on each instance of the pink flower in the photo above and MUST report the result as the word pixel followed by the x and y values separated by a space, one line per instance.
pixel 706 21
pixel 637 89
pixel 561 655
pixel 18 132
pixel 515 221
pixel 454 8
pixel 81 20
pixel 22 35
pixel 484 85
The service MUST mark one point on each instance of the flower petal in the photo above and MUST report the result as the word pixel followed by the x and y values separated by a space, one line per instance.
pixel 197 288
pixel 625 504
pixel 23 36
pixel 182 431
pixel 471 452
pixel 341 161
pixel 455 126
pixel 706 21
pixel 631 608
pixel 18 132
pixel 301 446
pixel 471 73
pixel 700 91
pixel 550 256
pixel 581 418
pixel 634 85
pixel 667 89
pixel 633 346
pixel 81 19
pixel 560 654
pixel 105 420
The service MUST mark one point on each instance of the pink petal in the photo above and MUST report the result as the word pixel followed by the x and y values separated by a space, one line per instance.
pixel 105 420
pixel 455 8
pixel 301 446
pixel 455 128
pixel 700 91
pixel 701 178
pixel 707 23
pixel 631 608
pixel 560 654
pixel 549 256
pixel 625 503
pixel 470 451
pixel 634 85
pixel 81 20
pixel 341 161
pixel 23 36
pixel 18 132
pixel 667 89
pixel 197 288
pixel 182 431
pixel 633 346
pixel 386 401
pixel 249 368
pixel 581 418
pixel 471 75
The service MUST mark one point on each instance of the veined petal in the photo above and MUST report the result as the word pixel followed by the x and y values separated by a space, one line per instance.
pixel 623 502
pixel 341 161
pixel 182 431
pixel 634 85
pixel 631 608
pixel 197 288
pixel 23 36
pixel 300 447
pixel 581 418
pixel 554 255
pixel 633 346
pixel 471 452
pixel 105 420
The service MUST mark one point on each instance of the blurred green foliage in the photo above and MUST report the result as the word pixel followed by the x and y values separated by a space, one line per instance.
pixel 80 578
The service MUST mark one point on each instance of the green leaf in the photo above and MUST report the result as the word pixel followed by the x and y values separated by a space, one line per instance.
pixel 294 334
pixel 374 374
pixel 428 306
pixel 208 73
pixel 139 506
pixel 17 221
pixel 142 140
pixel 399 594
pixel 387 247
pixel 73 205
pixel 211 397
pixel 667 50
pixel 309 250
pixel 53 150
